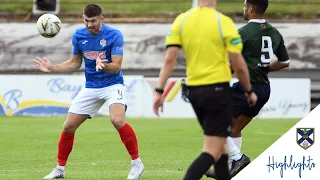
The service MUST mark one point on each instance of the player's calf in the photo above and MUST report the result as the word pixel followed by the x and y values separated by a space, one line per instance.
pixel 65 144
pixel 235 133
pixel 238 124
pixel 129 139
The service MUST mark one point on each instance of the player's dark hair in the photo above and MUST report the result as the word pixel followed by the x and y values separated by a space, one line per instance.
pixel 92 10
pixel 259 6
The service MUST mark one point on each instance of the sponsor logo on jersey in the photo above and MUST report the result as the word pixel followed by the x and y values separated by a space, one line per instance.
pixel 93 55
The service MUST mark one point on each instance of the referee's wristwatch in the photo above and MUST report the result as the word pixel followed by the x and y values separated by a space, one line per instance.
pixel 159 90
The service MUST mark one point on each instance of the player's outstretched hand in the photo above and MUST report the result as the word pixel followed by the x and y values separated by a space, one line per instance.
pixel 157 103
pixel 43 64
pixel 252 99
pixel 100 63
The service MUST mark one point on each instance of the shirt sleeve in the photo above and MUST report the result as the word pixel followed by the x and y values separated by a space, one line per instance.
pixel 75 50
pixel 232 38
pixel 281 52
pixel 117 47
pixel 173 37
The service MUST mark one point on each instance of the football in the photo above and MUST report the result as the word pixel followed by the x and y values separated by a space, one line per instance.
pixel 48 25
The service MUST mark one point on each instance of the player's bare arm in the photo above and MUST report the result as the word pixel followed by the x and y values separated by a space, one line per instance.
pixel 230 65
pixel 70 65
pixel 278 65
pixel 240 68
pixel 283 59
pixel 170 60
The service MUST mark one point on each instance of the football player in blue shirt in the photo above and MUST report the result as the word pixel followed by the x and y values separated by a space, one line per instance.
pixel 101 47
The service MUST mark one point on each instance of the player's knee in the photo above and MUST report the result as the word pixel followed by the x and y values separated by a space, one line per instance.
pixel 69 128
pixel 215 146
pixel 117 121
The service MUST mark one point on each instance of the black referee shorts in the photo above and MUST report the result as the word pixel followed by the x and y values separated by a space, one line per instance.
pixel 213 107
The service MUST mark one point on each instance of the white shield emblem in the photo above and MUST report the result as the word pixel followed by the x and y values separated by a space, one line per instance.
pixel 103 42
pixel 305 137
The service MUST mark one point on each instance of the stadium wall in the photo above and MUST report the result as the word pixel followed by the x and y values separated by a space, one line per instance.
pixel 51 95
pixel 144 46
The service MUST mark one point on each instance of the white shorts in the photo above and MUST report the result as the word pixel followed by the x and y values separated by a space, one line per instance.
pixel 90 100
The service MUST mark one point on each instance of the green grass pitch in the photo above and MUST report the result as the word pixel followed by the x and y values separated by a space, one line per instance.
pixel 28 147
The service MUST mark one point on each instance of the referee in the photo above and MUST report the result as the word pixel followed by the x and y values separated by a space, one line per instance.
pixel 209 39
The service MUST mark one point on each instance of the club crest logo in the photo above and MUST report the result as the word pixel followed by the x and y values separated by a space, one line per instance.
pixel 103 42
pixel 305 137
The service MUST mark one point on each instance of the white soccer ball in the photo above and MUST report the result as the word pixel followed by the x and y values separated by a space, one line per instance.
pixel 48 25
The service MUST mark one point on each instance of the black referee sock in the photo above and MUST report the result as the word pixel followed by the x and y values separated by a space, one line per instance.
pixel 221 168
pixel 199 166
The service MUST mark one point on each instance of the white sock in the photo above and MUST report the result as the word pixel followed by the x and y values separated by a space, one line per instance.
pixel 229 163
pixel 60 167
pixel 238 142
pixel 138 160
pixel 233 150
